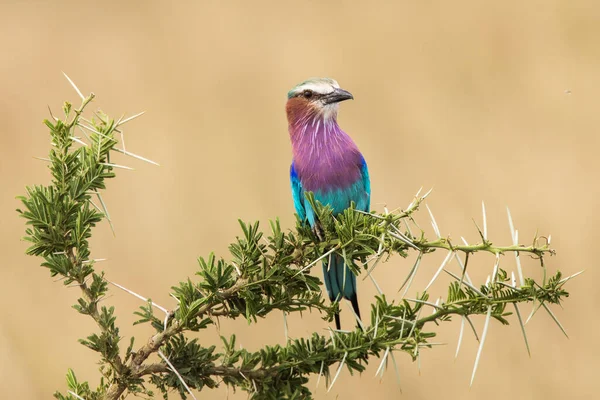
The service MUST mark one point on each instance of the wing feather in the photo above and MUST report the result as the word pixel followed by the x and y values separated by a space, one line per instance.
pixel 297 193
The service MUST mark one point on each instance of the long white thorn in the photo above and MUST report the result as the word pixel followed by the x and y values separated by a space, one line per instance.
pixel 89 128
pixel 332 335
pixel 383 361
pixel 437 307
pixel 105 211
pixel 568 278
pixel 320 374
pixel 124 121
pixel 119 120
pixel 400 236
pixel 316 261
pixel 377 260
pixel 81 142
pixel 75 394
pixel 396 369
pixel 433 223
pixel 377 256
pixel 411 275
pixel 534 309
pixel 360 323
pixel 95 260
pixel 122 140
pixel 117 166
pixel 485 235
pixel 74 86
pixel 515 237
pixel 130 154
pixel 376 285
pixel 522 328
pixel 408 227
pixel 131 292
pixel 466 283
pixel 237 269
pixel 160 353
pixel 555 319
pixel 483 336
pixel 376 322
pixel 418 192
pixel 338 371
pixel 434 305
pixel 414 325
pixel 403 321
pixel 426 194
pixel 437 273
pixel 460 336
pixel 511 225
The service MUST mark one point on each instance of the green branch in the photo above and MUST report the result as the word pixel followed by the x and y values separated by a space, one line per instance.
pixel 486 247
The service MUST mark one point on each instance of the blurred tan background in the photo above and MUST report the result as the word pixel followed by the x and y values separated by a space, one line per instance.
pixel 495 102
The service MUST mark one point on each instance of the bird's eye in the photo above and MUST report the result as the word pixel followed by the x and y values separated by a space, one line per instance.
pixel 307 94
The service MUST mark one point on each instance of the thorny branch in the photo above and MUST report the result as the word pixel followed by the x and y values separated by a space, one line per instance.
pixel 263 275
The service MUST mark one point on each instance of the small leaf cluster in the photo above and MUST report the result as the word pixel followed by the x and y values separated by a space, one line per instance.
pixel 192 361
pixel 257 280
pixel 60 218
pixel 80 389
pixel 107 342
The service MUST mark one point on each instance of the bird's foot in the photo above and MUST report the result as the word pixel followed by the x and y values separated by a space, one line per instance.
pixel 318 230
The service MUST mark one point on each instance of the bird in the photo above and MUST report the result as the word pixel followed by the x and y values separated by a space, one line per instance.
pixel 326 162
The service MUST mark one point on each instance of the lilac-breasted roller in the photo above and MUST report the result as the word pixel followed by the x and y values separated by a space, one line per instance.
pixel 327 163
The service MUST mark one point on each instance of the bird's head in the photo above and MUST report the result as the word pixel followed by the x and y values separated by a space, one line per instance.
pixel 315 97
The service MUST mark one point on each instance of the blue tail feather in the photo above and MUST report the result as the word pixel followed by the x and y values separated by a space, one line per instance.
pixel 340 282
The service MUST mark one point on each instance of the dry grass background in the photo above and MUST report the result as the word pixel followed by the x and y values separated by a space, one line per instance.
pixel 483 101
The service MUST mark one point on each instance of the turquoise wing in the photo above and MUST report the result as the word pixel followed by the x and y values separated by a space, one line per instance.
pixel 297 193
pixel 364 202
pixel 338 199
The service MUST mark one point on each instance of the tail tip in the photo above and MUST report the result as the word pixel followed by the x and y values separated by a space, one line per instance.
pixel 338 325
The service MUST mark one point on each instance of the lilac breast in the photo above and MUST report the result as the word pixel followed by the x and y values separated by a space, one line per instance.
pixel 325 157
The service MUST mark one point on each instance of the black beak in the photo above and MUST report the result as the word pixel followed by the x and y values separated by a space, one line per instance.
pixel 336 96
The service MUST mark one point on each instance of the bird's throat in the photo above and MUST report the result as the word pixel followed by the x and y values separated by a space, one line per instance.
pixel 320 146
pixel 315 133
